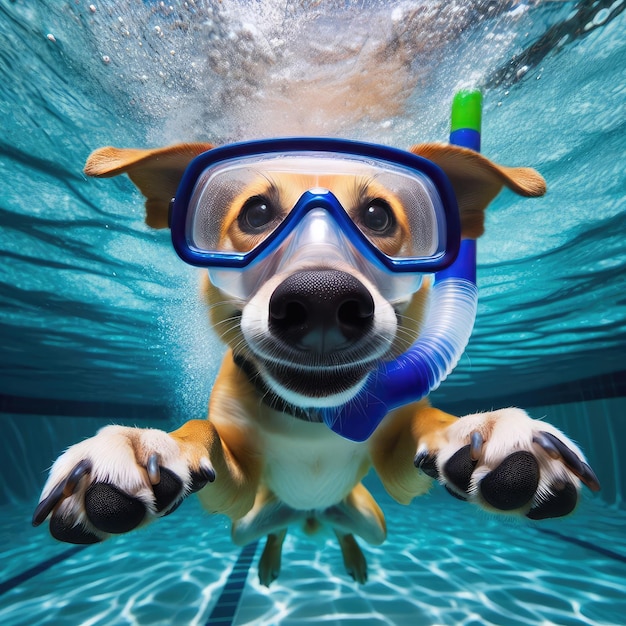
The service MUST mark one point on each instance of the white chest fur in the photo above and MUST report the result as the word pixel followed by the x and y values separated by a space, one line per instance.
pixel 309 467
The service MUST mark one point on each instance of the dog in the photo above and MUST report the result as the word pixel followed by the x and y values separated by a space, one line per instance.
pixel 261 457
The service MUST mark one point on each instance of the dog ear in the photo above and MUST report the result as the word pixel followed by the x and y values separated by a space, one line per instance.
pixel 477 181
pixel 155 172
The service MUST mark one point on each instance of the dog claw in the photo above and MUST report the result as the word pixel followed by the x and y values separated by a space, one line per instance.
pixel 426 462
pixel 589 478
pixel 207 471
pixel 541 440
pixel 557 449
pixel 63 490
pixel 81 469
pixel 420 457
pixel 44 508
pixel 476 445
pixel 154 473
pixel 204 475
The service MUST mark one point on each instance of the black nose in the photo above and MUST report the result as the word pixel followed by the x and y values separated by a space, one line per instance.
pixel 321 310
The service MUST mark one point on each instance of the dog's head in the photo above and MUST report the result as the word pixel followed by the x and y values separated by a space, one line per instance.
pixel 313 327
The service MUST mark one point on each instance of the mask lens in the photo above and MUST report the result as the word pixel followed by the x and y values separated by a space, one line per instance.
pixel 237 204
pixel 415 226
pixel 218 200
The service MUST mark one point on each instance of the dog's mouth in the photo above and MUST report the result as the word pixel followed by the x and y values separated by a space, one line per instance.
pixel 316 384
pixel 317 336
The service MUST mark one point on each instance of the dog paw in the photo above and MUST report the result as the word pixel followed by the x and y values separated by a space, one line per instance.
pixel 506 461
pixel 116 481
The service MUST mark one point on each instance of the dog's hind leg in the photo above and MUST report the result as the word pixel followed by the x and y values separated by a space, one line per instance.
pixel 269 563
pixel 353 558
pixel 358 514
pixel 268 516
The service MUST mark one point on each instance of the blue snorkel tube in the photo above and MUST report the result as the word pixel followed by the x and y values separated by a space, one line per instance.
pixel 434 355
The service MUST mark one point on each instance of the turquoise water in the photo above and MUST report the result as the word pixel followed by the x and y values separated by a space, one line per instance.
pixel 444 564
pixel 99 321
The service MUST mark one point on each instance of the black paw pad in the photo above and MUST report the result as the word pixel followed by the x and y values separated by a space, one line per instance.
pixel 513 483
pixel 167 490
pixel 62 528
pixel 459 467
pixel 111 510
pixel 561 502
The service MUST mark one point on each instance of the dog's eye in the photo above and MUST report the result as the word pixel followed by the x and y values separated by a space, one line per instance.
pixel 255 214
pixel 377 216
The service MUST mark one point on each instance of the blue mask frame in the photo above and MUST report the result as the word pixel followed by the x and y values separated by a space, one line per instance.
pixel 235 260
pixel 426 364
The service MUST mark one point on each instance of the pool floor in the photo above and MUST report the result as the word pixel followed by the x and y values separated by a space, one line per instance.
pixel 444 563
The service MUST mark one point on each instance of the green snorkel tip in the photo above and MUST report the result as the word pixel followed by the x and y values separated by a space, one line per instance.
pixel 466 110
pixel 465 119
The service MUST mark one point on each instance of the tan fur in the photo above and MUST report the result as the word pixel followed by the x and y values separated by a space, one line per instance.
pixel 396 441
pixel 353 557
pixel 155 172
pixel 269 563
pixel 233 494
pixel 477 181
pixel 249 443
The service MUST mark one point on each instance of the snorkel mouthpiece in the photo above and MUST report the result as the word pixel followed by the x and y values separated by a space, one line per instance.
pixel 447 329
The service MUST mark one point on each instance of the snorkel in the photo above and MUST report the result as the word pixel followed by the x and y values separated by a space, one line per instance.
pixel 423 367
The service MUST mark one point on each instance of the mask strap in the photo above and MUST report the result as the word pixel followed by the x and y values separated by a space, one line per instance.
pixel 434 355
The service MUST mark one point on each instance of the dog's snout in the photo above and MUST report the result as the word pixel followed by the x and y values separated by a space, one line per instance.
pixel 321 310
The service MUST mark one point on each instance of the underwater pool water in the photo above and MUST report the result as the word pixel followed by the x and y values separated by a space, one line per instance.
pixel 444 563
pixel 100 322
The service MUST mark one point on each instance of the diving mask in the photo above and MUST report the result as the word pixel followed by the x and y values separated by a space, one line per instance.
pixel 247 210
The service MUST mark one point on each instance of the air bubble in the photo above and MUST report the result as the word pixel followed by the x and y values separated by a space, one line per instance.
pixel 521 71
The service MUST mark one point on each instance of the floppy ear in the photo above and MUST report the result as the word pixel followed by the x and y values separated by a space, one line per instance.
pixel 477 181
pixel 155 172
